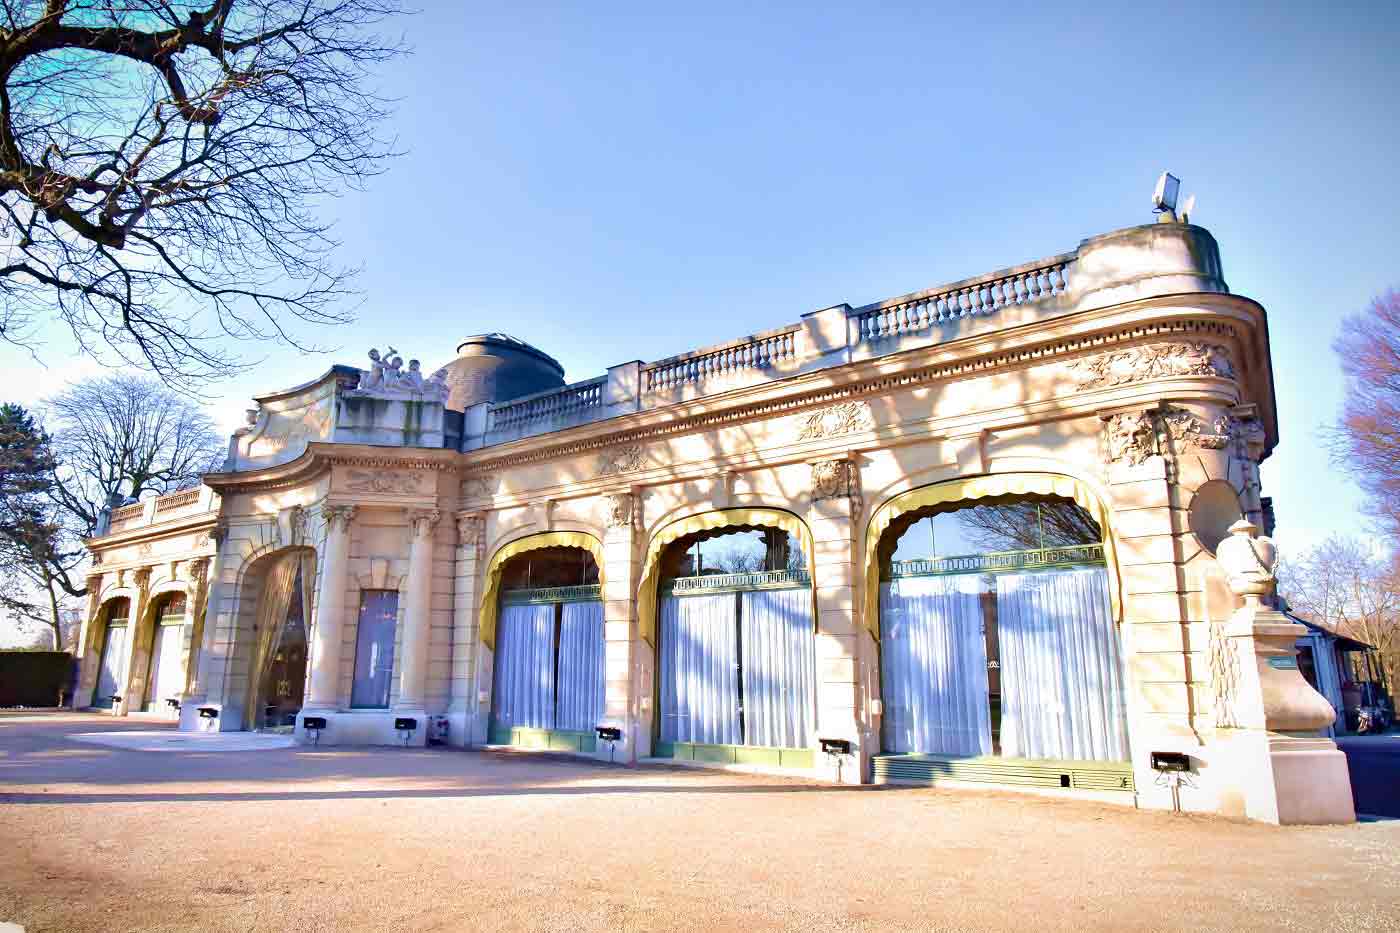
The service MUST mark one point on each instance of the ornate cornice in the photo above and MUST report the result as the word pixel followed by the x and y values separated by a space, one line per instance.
pixel 1195 329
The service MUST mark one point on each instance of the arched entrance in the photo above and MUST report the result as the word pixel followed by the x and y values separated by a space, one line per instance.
pixel 167 644
pixel 727 603
pixel 274 639
pixel 999 652
pixel 549 673
pixel 111 670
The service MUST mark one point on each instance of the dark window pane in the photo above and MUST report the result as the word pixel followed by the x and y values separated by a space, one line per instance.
pixel 374 648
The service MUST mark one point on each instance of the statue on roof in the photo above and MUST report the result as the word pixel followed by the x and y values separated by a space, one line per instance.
pixel 386 378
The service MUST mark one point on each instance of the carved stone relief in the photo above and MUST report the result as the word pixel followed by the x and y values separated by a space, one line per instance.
pixel 471 531
pixel 620 508
pixel 836 420
pixel 423 521
pixel 1152 361
pixel 832 479
pixel 400 482
pixel 342 515
pixel 1130 437
pixel 482 486
pixel 387 379
pixel 621 459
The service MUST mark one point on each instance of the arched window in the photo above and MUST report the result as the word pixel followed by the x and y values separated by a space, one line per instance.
pixel 549 678
pixel 997 636
pixel 111 676
pixel 167 644
pixel 735 645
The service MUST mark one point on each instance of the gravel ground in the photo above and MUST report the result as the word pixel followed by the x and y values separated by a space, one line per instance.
pixel 104 839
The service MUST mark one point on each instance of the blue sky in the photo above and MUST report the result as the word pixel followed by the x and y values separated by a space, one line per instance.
pixel 626 182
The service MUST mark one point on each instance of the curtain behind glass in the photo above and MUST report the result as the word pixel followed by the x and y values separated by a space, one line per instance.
pixel 374 649
pixel 933 666
pixel 699 670
pixel 1061 680
pixel 166 681
pixel 109 679
pixel 779 667
pixel 524 667
pixel 582 680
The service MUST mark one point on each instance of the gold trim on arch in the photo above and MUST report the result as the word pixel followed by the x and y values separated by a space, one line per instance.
pixel 489 608
pixel 707 521
pixel 982 487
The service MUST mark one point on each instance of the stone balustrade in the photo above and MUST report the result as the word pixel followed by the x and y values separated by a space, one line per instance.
pixel 545 408
pixel 982 295
pixel 761 351
pixel 176 505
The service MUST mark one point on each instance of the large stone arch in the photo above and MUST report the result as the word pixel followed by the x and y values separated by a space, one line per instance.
pixel 254 623
pixel 514 547
pixel 143 638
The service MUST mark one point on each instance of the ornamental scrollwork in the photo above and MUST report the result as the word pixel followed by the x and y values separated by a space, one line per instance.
pixel 1152 361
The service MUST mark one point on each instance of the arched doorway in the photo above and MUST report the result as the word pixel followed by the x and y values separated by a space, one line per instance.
pixel 998 642
pixel 111 670
pixel 167 644
pixel 549 672
pixel 277 648
pixel 734 633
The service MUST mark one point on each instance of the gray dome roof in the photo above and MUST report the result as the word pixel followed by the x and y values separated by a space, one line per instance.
pixel 497 368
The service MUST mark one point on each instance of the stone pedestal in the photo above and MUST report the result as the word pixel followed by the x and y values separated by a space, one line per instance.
pixel 1270 761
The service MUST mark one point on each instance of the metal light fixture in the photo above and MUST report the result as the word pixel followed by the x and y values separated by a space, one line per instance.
pixel 1164 197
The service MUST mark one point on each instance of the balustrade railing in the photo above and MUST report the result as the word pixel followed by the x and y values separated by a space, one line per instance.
pixel 177 500
pixel 980 296
pixel 731 582
pixel 1037 559
pixel 547 406
pixel 553 594
pixel 757 352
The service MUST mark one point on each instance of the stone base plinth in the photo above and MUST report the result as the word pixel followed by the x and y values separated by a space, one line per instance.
pixel 362 727
pixel 1282 779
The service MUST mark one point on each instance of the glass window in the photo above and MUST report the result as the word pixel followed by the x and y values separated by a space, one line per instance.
pixel 374 649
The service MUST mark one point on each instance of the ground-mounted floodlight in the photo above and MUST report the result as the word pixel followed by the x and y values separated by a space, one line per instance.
pixel 612 735
pixel 405 726
pixel 313 726
pixel 836 750
pixel 172 702
pixel 208 712
pixel 1173 769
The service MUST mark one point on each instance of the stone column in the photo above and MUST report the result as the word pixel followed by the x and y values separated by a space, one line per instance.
pixel 841 703
pixel 198 606
pixel 628 661
pixel 330 609
pixel 465 718
pixel 418 605
pixel 137 646
pixel 1276 767
pixel 89 645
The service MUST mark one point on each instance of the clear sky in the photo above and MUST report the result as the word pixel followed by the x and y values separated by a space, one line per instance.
pixel 615 182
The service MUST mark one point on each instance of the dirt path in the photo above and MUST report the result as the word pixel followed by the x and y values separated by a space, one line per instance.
pixel 97 838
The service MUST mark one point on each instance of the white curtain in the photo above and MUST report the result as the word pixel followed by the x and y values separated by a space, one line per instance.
pixel 1061 678
pixel 582 680
pixel 779 667
pixel 524 672
pixel 166 675
pixel 933 666
pixel 110 680
pixel 699 670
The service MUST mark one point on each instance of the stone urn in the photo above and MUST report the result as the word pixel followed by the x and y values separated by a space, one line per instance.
pixel 1248 561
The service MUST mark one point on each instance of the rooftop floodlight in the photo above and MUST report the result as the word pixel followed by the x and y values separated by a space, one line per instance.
pixel 1164 197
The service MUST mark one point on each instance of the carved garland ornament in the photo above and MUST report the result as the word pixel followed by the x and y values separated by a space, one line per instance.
pixel 1153 361
pixel 1133 437
pixel 836 420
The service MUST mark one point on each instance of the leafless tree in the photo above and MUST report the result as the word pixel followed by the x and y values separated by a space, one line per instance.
pixel 1346 587
pixel 161 166
pixel 120 437
pixel 1368 433
pixel 1028 524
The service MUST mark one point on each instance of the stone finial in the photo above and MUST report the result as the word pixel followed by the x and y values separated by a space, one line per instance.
pixel 1248 562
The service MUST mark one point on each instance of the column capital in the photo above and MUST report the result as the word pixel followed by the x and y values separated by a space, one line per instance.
pixel 423 521
pixel 342 515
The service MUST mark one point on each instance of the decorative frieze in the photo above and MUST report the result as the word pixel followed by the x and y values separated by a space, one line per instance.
pixel 481 486
pixel 392 482
pixel 624 459
pixel 836 420
pixel 1152 361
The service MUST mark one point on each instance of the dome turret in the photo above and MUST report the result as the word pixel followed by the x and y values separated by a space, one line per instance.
pixel 497 368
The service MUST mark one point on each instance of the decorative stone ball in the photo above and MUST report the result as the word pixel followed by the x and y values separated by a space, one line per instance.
pixel 1248 561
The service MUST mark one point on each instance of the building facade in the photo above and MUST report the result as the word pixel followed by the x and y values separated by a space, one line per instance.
pixel 968 534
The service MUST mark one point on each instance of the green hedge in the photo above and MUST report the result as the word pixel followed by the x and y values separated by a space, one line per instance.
pixel 34 678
